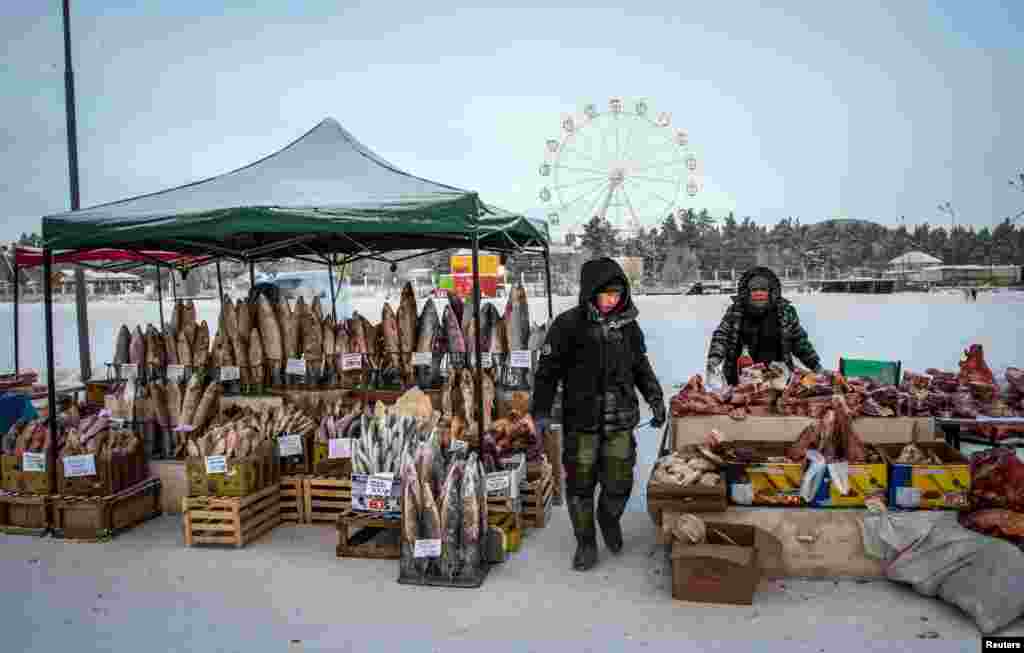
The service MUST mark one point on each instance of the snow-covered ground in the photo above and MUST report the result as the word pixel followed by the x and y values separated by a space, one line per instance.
pixel 922 330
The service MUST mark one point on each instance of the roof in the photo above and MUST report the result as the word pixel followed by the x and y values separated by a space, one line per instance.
pixel 915 258
pixel 324 193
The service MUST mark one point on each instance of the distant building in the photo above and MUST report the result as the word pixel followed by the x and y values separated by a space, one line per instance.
pixel 99 284
pixel 971 274
pixel 909 265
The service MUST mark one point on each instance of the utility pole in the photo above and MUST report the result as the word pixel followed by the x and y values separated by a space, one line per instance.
pixel 947 208
pixel 81 306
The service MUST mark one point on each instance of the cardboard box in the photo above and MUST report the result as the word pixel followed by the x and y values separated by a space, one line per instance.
pixel 365 502
pixel 693 498
pixel 778 484
pixel 324 465
pixel 805 542
pixel 718 571
pixel 691 430
pixel 244 476
pixel 505 482
pixel 930 486
pixel 16 480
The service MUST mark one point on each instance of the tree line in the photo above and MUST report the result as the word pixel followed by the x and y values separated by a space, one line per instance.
pixel 696 244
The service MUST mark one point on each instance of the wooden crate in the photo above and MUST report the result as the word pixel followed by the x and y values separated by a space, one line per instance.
pixel 364 535
pixel 25 514
pixel 114 473
pixel 98 519
pixel 234 521
pixel 293 502
pixel 537 502
pixel 326 499
pixel 502 508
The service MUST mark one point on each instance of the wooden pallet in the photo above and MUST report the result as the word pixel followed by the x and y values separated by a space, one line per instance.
pixel 234 521
pixel 98 519
pixel 25 514
pixel 293 502
pixel 327 499
pixel 537 502
pixel 363 535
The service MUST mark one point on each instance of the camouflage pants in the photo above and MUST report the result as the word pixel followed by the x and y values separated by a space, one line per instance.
pixel 597 458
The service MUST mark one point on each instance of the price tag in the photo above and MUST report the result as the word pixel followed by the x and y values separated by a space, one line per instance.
pixel 351 362
pixel 457 445
pixel 130 371
pixel 216 464
pixel 175 372
pixel 497 483
pixel 33 462
pixel 485 359
pixel 339 448
pixel 427 549
pixel 229 374
pixel 555 428
pixel 290 445
pixel 296 366
pixel 423 358
pixel 75 466
pixel 378 487
pixel 520 358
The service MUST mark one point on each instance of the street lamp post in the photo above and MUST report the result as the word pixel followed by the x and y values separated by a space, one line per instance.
pixel 947 208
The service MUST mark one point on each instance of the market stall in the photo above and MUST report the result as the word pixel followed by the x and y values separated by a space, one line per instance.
pixel 327 199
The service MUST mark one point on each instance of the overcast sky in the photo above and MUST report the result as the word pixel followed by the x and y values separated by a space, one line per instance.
pixel 813 109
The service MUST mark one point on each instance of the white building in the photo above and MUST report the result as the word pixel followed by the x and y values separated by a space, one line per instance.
pixel 909 266
pixel 971 274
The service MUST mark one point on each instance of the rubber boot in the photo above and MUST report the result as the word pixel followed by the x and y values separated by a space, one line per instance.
pixel 609 513
pixel 581 513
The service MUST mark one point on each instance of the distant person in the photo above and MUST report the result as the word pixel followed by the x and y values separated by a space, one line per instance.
pixel 596 350
pixel 974 294
pixel 763 322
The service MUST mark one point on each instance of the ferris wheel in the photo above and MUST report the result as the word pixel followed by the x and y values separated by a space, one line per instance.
pixel 624 164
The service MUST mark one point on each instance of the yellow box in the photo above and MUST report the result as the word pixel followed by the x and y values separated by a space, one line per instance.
pixel 864 481
pixel 930 486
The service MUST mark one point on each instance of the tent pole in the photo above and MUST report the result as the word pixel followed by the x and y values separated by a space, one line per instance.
pixel 51 381
pixel 477 336
pixel 220 285
pixel 547 279
pixel 330 280
pixel 174 287
pixel 160 296
pixel 17 366
pixel 252 276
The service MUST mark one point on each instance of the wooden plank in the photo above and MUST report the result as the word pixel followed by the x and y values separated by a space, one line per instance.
pixel 241 520
pixel 173 483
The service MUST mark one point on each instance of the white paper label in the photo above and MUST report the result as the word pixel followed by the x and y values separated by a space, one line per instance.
pixel 742 494
pixel 457 445
pixel 378 487
pixel 33 462
pixel 229 374
pixel 485 359
pixel 497 483
pixel 216 464
pixel 908 497
pixel 351 362
pixel 423 358
pixel 175 372
pixel 290 445
pixel 555 428
pixel 75 466
pixel 520 359
pixel 296 366
pixel 427 549
pixel 339 448
pixel 130 371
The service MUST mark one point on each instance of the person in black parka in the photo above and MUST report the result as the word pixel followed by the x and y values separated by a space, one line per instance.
pixel 597 351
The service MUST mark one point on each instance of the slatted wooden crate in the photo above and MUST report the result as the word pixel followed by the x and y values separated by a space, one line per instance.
pixel 25 514
pixel 326 499
pixel 234 521
pixel 98 519
pixel 500 508
pixel 293 499
pixel 537 502
pixel 365 535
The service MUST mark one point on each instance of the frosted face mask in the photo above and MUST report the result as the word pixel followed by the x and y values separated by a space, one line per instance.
pixel 760 293
pixel 607 299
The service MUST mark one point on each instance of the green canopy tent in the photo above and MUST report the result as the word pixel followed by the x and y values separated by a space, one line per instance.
pixel 324 198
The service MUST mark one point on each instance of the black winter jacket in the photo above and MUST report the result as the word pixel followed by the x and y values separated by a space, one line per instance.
pixel 599 360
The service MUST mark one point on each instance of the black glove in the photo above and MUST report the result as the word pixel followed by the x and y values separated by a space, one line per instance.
pixel 658 408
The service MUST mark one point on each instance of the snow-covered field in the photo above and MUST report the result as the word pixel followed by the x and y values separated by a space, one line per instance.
pixel 922 330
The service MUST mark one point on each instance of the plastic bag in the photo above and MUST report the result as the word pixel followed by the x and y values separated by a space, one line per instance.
pixel 990 588
pixel 840 475
pixel 813 475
